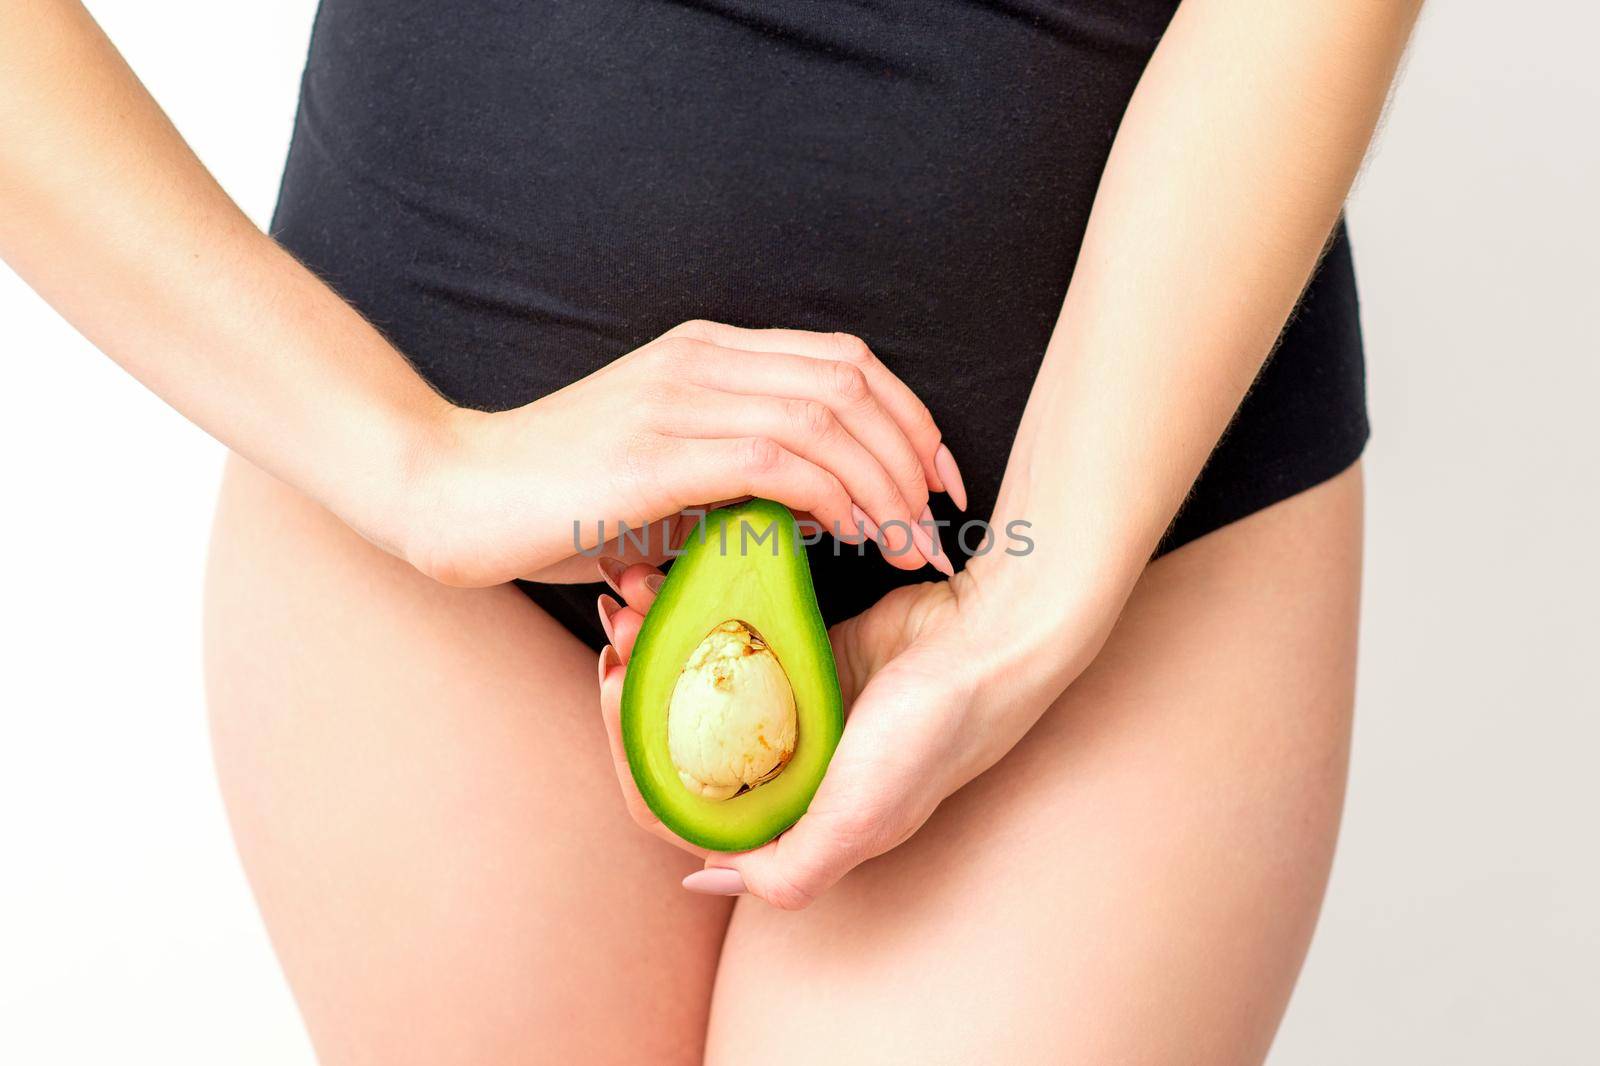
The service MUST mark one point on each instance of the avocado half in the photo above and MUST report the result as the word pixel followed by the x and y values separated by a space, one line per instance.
pixel 744 563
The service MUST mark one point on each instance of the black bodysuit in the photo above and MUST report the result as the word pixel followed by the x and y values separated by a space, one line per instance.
pixel 518 192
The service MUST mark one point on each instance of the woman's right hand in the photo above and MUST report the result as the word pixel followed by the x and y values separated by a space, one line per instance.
pixel 257 350
pixel 703 414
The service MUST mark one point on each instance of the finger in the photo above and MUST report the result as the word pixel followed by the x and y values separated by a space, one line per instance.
pixel 622 629
pixel 621 625
pixel 611 677
pixel 705 468
pixel 639 584
pixel 636 583
pixel 794 870
pixel 912 415
pixel 811 430
pixel 607 608
pixel 611 673
pixel 835 383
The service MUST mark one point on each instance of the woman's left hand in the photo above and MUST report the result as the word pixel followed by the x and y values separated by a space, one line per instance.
pixel 940 680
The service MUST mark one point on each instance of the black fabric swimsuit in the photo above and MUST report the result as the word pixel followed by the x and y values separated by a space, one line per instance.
pixel 517 193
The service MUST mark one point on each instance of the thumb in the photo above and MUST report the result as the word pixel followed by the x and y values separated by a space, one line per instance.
pixel 793 870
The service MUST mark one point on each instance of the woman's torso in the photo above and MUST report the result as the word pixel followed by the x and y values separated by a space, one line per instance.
pixel 518 193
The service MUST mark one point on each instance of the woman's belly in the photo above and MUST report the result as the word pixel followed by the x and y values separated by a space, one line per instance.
pixel 518 194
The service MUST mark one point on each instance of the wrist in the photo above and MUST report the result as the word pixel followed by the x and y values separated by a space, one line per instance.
pixel 393 480
pixel 1044 615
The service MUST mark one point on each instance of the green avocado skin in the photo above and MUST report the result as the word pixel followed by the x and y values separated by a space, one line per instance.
pixel 743 562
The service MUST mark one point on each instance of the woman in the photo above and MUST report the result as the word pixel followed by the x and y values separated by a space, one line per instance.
pixel 643 257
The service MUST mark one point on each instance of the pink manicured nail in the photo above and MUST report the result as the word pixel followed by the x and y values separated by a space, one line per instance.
pixel 715 881
pixel 611 570
pixel 607 607
pixel 922 542
pixel 930 546
pixel 608 659
pixel 654 582
pixel 950 474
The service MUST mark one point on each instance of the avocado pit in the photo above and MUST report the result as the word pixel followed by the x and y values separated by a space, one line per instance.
pixel 731 721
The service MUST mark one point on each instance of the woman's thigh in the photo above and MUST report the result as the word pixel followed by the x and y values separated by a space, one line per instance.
pixel 420 788
pixel 1138 880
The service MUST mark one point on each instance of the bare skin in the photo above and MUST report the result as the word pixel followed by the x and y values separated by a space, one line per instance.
pixel 422 796
pixel 418 774
pixel 1137 881
pixel 421 789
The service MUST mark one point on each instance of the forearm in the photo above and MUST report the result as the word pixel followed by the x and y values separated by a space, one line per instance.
pixel 110 217
pixel 1225 180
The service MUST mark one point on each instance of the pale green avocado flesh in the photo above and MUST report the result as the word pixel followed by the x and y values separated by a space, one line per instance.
pixel 747 563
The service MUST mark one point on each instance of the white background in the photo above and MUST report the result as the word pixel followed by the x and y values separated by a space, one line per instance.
pixel 1463 923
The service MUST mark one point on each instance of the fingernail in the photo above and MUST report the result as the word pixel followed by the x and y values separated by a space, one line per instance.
pixel 930 545
pixel 922 542
pixel 653 582
pixel 608 607
pixel 950 474
pixel 608 659
pixel 863 523
pixel 715 881
pixel 611 570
